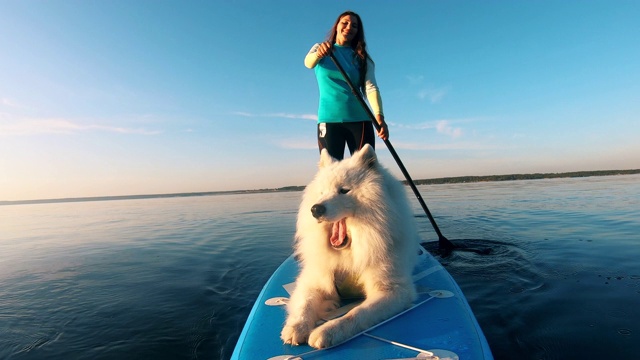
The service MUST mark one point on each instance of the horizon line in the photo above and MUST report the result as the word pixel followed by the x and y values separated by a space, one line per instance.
pixel 432 181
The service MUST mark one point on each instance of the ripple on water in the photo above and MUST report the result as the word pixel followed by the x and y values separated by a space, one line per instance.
pixel 625 332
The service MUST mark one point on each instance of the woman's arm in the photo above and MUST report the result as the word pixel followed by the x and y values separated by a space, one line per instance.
pixel 312 57
pixel 375 100
pixel 371 89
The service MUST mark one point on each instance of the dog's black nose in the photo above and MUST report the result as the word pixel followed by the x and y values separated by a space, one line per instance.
pixel 318 210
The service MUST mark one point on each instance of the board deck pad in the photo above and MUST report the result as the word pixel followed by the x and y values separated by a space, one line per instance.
pixel 440 324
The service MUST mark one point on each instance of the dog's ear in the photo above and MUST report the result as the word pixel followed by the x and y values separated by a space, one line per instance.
pixel 367 156
pixel 325 159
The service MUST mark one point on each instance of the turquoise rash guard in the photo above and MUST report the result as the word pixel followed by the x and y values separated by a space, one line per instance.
pixel 337 103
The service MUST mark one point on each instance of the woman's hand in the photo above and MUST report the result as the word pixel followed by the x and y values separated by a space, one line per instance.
pixel 323 50
pixel 383 133
pixel 313 56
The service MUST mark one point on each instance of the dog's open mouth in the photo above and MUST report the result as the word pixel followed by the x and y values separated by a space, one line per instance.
pixel 339 239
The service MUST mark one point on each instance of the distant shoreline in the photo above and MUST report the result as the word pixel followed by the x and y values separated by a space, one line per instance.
pixel 436 181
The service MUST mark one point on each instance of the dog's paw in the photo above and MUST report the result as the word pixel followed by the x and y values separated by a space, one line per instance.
pixel 327 335
pixel 295 334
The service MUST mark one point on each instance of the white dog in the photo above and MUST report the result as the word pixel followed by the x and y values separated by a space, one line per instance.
pixel 355 223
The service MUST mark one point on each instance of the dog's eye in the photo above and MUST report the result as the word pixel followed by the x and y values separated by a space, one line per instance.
pixel 344 190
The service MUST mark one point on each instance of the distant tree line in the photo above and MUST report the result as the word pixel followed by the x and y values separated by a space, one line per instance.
pixel 511 177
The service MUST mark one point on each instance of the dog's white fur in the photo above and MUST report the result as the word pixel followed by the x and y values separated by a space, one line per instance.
pixel 380 256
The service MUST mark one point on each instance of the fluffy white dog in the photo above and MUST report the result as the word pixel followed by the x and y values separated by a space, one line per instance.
pixel 354 223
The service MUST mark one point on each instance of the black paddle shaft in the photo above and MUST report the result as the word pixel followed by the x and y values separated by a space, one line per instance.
pixel 443 242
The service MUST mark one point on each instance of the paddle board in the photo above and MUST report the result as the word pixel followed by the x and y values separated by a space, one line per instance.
pixel 440 324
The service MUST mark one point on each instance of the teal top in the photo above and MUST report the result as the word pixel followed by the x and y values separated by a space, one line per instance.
pixel 337 102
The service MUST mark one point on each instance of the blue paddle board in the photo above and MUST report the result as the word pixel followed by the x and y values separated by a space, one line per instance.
pixel 439 325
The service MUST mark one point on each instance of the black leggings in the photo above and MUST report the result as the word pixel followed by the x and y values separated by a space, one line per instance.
pixel 333 136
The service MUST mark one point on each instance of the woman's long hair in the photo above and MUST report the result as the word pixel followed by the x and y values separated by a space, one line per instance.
pixel 358 44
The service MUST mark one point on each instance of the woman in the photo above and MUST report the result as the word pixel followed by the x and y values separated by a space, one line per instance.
pixel 341 118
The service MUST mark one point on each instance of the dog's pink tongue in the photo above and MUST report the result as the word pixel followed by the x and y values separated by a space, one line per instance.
pixel 338 233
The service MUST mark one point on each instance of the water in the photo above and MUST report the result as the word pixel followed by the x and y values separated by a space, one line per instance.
pixel 175 278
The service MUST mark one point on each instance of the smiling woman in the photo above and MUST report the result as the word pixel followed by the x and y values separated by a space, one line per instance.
pixel 341 119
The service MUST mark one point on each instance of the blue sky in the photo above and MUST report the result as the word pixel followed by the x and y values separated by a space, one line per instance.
pixel 142 97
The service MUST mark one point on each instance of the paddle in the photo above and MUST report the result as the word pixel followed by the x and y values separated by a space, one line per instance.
pixel 443 242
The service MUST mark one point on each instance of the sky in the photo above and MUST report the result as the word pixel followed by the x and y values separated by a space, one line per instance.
pixel 126 97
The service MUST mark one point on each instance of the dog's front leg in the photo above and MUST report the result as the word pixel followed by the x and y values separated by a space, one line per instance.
pixel 313 296
pixel 381 303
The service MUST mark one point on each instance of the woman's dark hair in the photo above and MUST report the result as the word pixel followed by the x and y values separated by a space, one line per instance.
pixel 358 44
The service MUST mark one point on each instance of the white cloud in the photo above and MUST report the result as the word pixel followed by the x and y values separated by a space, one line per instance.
pixel 447 146
pixel 429 92
pixel 415 79
pixel 443 127
pixel 434 95
pixel 312 117
pixel 9 103
pixel 241 113
pixel 423 126
pixel 60 126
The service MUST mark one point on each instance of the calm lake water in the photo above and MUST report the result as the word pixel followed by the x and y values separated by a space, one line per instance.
pixel 175 278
